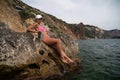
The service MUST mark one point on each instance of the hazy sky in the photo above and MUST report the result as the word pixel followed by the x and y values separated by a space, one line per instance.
pixel 102 13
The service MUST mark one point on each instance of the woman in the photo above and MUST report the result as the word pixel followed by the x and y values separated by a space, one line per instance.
pixel 37 28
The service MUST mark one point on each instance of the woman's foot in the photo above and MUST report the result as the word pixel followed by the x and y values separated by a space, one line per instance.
pixel 69 60
pixel 64 60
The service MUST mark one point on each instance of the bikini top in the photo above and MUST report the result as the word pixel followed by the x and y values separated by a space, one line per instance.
pixel 41 29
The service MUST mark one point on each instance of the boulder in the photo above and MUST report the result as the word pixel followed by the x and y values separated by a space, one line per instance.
pixel 24 58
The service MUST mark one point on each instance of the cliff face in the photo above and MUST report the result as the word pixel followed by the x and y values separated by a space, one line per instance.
pixel 111 34
pixel 83 31
pixel 9 16
pixel 78 30
pixel 22 56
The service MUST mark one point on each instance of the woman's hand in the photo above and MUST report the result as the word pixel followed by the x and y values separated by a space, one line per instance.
pixel 33 28
pixel 37 31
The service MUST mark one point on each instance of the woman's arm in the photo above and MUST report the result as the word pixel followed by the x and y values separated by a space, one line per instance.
pixel 32 28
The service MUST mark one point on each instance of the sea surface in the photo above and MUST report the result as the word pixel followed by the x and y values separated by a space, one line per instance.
pixel 100 60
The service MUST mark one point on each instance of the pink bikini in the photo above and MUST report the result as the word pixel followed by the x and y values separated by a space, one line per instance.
pixel 41 29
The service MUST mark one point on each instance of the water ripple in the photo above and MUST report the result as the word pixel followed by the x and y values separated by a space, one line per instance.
pixel 101 59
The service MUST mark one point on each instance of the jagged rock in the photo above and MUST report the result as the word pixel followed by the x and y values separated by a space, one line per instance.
pixel 21 56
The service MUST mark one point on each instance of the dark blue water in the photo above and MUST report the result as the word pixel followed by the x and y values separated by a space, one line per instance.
pixel 100 60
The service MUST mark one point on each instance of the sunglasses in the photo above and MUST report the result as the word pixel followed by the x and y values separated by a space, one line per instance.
pixel 40 19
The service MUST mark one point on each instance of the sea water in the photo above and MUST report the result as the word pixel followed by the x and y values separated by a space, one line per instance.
pixel 100 60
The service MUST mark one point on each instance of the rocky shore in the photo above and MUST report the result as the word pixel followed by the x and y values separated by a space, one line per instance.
pixel 25 57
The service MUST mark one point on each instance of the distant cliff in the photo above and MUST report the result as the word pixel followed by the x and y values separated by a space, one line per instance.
pixel 111 34
pixel 83 31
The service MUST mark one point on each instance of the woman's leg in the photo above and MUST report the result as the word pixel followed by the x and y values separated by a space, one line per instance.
pixel 59 48
pixel 57 44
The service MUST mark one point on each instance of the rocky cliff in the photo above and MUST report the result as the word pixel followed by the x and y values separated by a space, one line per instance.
pixel 111 34
pixel 83 31
pixel 10 16
pixel 25 57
